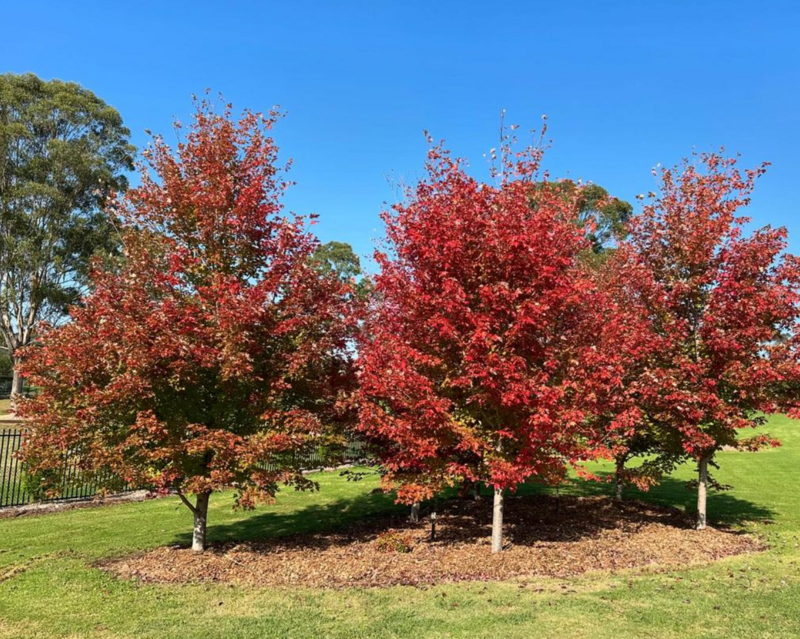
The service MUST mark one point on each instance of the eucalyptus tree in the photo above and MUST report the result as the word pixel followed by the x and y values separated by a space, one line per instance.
pixel 63 150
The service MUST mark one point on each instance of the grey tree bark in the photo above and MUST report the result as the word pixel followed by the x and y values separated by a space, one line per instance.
pixel 497 521
pixel 702 493
pixel 618 483
pixel 17 384
pixel 414 516
pixel 200 512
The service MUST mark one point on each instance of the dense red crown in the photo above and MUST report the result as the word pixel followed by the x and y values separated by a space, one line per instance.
pixel 477 361
pixel 716 309
pixel 214 346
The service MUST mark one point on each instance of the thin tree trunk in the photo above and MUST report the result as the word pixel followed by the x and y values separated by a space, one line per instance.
pixel 702 492
pixel 497 521
pixel 618 483
pixel 414 516
pixel 200 522
pixel 433 518
pixel 17 383
pixel 476 491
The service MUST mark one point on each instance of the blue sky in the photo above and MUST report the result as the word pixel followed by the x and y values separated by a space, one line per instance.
pixel 625 85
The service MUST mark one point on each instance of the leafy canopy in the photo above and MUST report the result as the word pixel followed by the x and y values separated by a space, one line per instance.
pixel 477 362
pixel 715 311
pixel 215 351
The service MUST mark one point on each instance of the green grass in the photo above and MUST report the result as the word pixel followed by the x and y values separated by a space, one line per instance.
pixel 48 587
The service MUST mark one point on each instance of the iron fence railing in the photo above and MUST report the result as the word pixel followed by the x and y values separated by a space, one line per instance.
pixel 16 488
pixel 6 382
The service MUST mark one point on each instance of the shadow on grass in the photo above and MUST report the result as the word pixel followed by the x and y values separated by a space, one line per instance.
pixel 723 508
pixel 376 512
pixel 268 522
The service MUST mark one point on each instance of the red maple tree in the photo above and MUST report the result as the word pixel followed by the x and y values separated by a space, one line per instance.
pixel 214 351
pixel 716 313
pixel 477 363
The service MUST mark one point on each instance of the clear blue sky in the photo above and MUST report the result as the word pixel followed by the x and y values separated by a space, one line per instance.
pixel 625 85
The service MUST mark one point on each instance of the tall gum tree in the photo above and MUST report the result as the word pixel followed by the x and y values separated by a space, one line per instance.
pixel 476 362
pixel 719 309
pixel 215 351
pixel 63 151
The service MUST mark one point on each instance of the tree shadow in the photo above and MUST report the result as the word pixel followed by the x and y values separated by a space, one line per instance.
pixel 268 523
pixel 534 513
pixel 724 508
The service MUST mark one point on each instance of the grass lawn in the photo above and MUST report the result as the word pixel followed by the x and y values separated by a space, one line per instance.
pixel 48 587
pixel 5 409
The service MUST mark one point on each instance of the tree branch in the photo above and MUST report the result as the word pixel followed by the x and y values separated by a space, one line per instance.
pixel 187 502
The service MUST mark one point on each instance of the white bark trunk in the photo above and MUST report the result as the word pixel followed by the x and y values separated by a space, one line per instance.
pixel 200 522
pixel 17 383
pixel 497 521
pixel 702 493
pixel 414 516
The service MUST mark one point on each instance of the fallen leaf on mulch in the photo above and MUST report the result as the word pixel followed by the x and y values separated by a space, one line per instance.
pixel 545 537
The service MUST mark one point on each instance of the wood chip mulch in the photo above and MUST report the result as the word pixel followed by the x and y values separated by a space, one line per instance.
pixel 544 536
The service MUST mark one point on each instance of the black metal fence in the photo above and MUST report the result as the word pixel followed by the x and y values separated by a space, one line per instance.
pixel 16 491
pixel 12 485
pixel 5 387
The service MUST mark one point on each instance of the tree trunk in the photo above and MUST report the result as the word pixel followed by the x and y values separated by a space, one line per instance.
pixel 476 491
pixel 702 491
pixel 414 516
pixel 620 468
pixel 497 521
pixel 17 383
pixel 200 522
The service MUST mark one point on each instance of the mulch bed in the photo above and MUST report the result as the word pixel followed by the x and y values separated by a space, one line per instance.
pixel 544 536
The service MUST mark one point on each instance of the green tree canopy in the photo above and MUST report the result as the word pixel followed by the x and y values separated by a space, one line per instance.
pixel 609 215
pixel 62 151
pixel 338 258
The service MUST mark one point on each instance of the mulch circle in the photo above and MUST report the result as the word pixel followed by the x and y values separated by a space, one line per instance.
pixel 544 536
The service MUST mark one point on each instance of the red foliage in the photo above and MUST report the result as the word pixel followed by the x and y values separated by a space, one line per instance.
pixel 214 347
pixel 478 361
pixel 715 311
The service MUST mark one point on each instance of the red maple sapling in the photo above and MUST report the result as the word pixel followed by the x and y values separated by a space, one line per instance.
pixel 718 314
pixel 477 362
